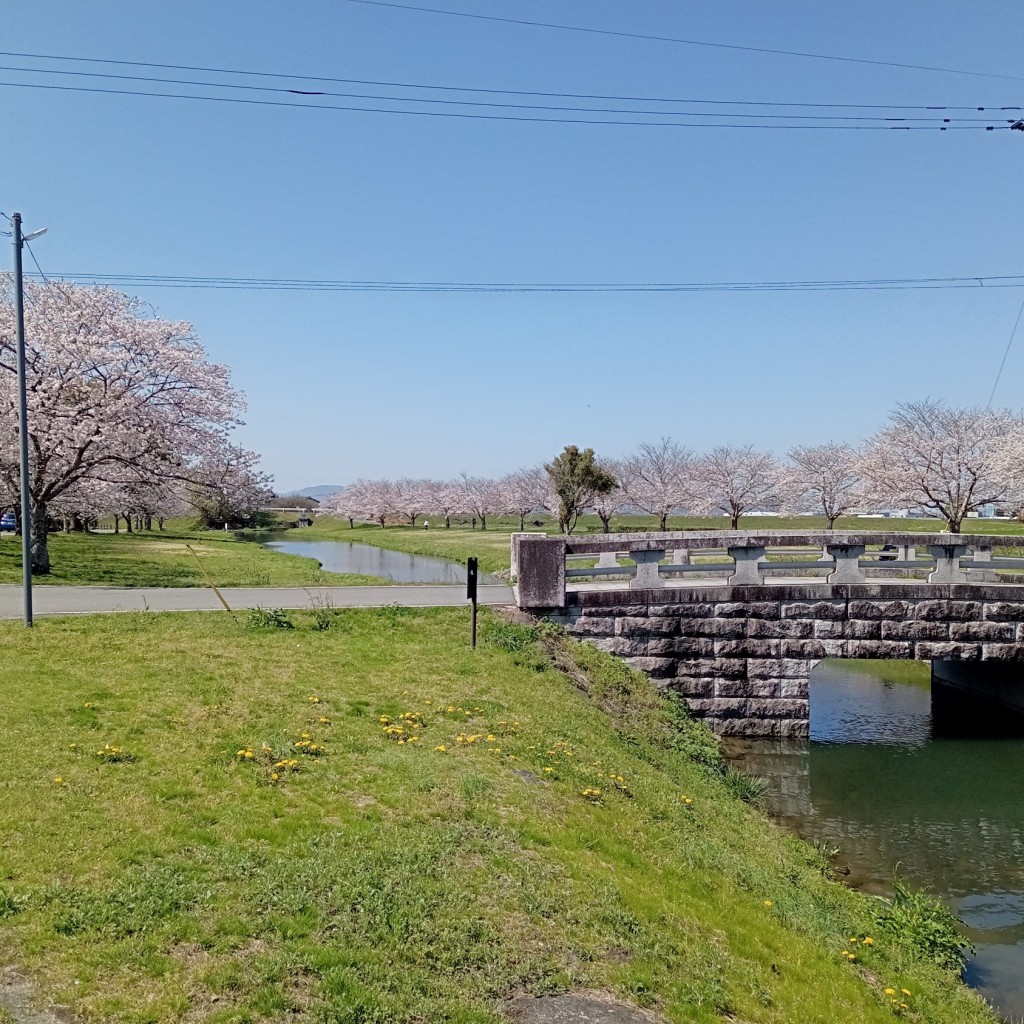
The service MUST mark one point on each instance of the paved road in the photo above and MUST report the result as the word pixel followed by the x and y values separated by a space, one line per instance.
pixel 89 600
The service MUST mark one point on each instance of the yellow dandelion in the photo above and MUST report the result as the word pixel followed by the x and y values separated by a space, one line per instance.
pixel 59 780
pixel 549 769
pixel 767 903
pixel 867 941
pixel 890 991
pixel 274 776
pixel 441 747
pixel 905 991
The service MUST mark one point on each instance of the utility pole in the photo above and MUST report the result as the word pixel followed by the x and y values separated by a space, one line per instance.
pixel 26 510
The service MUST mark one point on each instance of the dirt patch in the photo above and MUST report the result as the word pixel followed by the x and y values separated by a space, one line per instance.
pixel 19 1003
pixel 579 1008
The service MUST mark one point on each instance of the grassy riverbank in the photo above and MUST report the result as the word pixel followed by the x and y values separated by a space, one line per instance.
pixel 161 559
pixel 154 871
pixel 491 546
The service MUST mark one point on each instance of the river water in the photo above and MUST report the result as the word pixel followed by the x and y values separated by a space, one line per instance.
pixel 877 781
pixel 367 560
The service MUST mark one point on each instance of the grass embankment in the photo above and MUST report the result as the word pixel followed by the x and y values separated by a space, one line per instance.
pixel 161 559
pixel 154 871
pixel 491 546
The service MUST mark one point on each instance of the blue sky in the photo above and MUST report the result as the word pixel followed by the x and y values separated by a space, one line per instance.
pixel 344 385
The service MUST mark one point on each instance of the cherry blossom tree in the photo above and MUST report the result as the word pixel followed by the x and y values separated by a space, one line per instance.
pixel 948 460
pixel 482 497
pixel 659 478
pixel 610 503
pixel 823 480
pixel 444 498
pixel 111 390
pixel 376 500
pixel 523 492
pixel 412 498
pixel 226 488
pixel 737 480
pixel 343 503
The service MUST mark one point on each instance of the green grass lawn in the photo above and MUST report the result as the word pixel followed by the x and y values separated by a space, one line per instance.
pixel 161 559
pixel 491 546
pixel 152 870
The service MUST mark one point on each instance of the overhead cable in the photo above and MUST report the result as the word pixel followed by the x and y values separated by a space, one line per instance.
pixel 480 116
pixel 322 285
pixel 930 118
pixel 685 42
pixel 423 86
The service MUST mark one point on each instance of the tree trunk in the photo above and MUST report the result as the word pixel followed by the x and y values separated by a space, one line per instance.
pixel 160 523
pixel 606 522
pixel 483 521
pixel 40 550
pixel 413 516
pixel 117 523
pixel 735 523
pixel 832 522
pixel 351 523
pixel 953 525
pixel 522 522
pixel 447 521
pixel 663 522
pixel 128 524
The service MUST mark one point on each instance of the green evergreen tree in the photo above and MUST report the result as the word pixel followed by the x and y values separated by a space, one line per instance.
pixel 577 480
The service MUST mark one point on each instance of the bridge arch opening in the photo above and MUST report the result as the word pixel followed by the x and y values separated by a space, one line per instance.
pixel 907 703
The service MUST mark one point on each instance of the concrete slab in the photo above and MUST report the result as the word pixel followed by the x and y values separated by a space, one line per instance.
pixel 579 1008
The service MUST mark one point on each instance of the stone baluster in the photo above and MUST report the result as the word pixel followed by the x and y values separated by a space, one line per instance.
pixel 847 568
pixel 681 556
pixel 982 555
pixel 608 560
pixel 906 552
pixel 748 569
pixel 947 563
pixel 647 577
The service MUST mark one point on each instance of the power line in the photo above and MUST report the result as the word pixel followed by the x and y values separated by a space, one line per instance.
pixel 510 106
pixel 1013 333
pixel 489 91
pixel 685 42
pixel 463 115
pixel 322 285
pixel 36 262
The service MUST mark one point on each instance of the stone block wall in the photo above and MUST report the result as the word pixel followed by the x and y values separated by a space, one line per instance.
pixel 741 655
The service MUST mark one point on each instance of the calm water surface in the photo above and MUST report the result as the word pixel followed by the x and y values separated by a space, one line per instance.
pixel 367 560
pixel 877 782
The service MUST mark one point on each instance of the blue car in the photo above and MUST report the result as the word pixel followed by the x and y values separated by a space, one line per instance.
pixel 8 522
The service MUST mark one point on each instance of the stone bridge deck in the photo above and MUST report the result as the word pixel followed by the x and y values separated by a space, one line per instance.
pixel 741 652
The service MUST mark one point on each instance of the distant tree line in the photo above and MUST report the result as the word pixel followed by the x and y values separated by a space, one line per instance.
pixel 945 461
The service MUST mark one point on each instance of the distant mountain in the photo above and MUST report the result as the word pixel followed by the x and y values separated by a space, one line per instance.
pixel 320 491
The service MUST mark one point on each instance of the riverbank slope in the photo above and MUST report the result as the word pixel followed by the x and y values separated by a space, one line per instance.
pixel 360 818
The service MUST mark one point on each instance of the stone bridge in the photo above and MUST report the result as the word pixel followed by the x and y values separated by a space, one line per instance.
pixel 735 621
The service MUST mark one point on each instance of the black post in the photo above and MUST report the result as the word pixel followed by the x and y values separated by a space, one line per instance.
pixel 471 578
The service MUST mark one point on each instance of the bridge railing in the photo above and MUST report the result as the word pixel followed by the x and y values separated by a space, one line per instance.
pixel 543 567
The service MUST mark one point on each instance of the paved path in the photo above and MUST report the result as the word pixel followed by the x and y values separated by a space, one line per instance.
pixel 89 600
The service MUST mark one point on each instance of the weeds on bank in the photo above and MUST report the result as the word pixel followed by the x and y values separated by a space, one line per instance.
pixel 267 618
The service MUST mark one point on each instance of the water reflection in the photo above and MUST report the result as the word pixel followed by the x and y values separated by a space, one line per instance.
pixel 949 812
pixel 367 560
